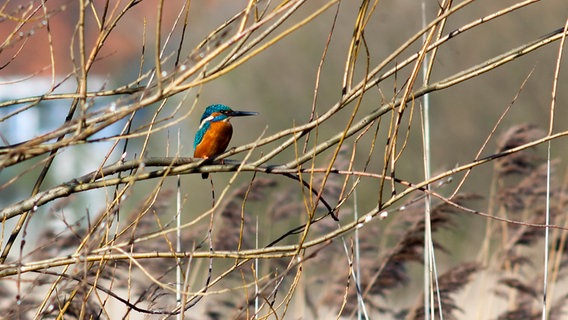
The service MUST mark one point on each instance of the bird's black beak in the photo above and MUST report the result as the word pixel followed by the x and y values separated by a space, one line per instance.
pixel 242 113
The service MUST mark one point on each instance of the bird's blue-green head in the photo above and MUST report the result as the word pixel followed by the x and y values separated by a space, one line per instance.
pixel 215 113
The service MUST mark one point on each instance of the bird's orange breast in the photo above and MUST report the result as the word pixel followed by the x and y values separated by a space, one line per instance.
pixel 215 141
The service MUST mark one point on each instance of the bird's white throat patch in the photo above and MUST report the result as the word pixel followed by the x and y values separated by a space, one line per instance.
pixel 211 118
pixel 205 121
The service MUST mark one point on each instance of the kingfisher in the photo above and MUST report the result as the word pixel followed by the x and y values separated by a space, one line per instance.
pixel 215 131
